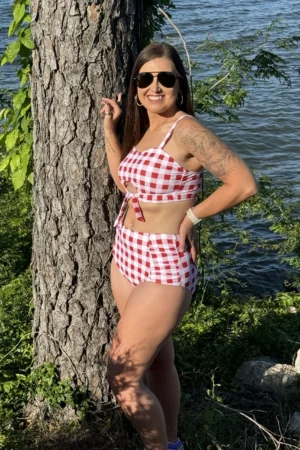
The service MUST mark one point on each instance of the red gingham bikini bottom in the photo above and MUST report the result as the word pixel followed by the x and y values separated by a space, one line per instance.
pixel 154 257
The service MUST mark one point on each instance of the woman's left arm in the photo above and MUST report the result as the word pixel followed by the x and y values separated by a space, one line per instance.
pixel 214 155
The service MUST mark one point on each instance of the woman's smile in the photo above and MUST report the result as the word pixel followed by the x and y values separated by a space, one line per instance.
pixel 155 98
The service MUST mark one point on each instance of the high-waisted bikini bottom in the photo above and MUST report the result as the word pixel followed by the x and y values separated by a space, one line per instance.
pixel 154 257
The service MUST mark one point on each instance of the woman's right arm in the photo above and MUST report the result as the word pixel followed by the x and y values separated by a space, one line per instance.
pixel 114 156
pixel 112 112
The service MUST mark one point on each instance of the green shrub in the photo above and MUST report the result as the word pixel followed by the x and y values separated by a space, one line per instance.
pixel 217 339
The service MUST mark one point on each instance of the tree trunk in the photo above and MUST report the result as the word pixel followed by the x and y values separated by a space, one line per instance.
pixel 83 51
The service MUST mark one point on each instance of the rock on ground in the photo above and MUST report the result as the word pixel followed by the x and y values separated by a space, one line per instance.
pixel 296 361
pixel 294 424
pixel 267 375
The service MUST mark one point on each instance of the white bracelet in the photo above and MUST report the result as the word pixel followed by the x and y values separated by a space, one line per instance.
pixel 192 217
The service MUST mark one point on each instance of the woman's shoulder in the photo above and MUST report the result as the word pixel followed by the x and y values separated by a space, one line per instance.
pixel 193 136
pixel 188 121
pixel 189 127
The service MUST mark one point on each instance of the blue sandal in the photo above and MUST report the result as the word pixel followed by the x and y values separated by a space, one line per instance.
pixel 178 445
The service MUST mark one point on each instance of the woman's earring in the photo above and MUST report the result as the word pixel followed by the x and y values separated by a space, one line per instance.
pixel 181 98
pixel 137 101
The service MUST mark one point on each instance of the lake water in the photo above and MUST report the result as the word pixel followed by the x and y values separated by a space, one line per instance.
pixel 268 135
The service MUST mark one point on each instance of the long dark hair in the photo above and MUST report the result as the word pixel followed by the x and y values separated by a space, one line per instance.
pixel 136 121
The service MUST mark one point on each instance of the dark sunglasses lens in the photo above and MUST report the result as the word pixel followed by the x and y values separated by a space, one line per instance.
pixel 167 79
pixel 144 79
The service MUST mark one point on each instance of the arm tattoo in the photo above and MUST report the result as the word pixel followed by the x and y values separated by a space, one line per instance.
pixel 108 145
pixel 208 149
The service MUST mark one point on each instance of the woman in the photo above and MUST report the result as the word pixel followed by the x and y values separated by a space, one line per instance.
pixel 153 270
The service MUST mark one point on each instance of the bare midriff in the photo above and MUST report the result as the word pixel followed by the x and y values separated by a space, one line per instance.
pixel 159 217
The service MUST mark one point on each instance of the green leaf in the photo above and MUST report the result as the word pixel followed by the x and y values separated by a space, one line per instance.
pixel 6 112
pixel 4 59
pixel 29 138
pixel 15 162
pixel 30 178
pixel 24 123
pixel 21 376
pixel 23 75
pixel 7 386
pixel 2 112
pixel 27 32
pixel 11 139
pixel 24 160
pixel 26 69
pixel 12 51
pixel 27 18
pixel 25 109
pixel 25 150
pixel 27 41
pixel 18 178
pixel 19 12
pixel 4 163
pixel 12 28
pixel 24 79
pixel 19 99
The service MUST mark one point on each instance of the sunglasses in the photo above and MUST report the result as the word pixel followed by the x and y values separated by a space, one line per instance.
pixel 166 79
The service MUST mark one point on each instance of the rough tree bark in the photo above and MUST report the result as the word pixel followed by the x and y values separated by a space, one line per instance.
pixel 83 51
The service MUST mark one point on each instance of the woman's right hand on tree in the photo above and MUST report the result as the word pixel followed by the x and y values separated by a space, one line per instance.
pixel 111 111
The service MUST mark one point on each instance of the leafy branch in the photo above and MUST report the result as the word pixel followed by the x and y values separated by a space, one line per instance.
pixel 238 64
pixel 15 116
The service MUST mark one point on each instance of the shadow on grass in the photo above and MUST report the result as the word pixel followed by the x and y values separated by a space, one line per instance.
pixel 109 431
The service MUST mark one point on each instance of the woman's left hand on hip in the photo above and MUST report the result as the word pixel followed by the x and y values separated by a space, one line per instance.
pixel 188 234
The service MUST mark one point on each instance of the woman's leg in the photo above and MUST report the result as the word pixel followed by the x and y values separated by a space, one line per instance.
pixel 163 380
pixel 162 376
pixel 120 286
pixel 151 313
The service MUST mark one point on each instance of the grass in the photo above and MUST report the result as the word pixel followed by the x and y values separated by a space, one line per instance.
pixel 211 343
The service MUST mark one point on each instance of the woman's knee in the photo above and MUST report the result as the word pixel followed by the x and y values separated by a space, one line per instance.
pixel 117 371
pixel 122 373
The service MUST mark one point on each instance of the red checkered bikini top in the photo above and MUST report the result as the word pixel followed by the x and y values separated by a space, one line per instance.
pixel 157 177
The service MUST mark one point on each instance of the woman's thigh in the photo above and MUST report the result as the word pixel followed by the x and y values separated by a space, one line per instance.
pixel 120 286
pixel 121 289
pixel 151 313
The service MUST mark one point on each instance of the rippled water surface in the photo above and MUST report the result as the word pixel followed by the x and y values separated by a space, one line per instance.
pixel 268 135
